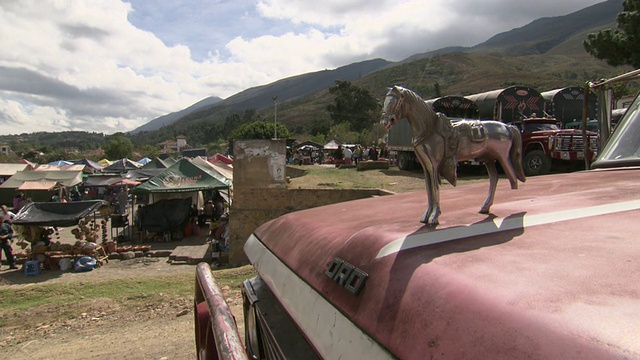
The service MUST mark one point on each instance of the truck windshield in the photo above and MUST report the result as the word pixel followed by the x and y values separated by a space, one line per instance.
pixel 531 127
pixel 623 148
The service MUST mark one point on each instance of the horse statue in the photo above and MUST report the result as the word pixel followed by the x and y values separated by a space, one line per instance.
pixel 440 143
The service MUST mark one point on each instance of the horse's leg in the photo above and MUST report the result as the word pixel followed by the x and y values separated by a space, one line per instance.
pixel 493 183
pixel 435 209
pixel 509 170
pixel 430 216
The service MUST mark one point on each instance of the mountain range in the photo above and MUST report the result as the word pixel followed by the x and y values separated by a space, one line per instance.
pixel 545 54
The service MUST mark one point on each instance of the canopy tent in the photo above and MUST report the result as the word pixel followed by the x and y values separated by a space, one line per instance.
pixel 60 162
pixel 127 182
pixel 121 166
pixel 332 145
pixel 31 165
pixel 66 178
pixel 65 167
pixel 7 170
pixel 57 214
pixel 142 174
pixel 104 162
pixel 144 161
pixel 220 158
pixel 157 163
pixel 184 176
pixel 308 145
pixel 101 180
pixel 168 160
pixel 219 167
pixel 92 165
pixel 38 185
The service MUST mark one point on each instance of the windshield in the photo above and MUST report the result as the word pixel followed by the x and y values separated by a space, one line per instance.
pixel 535 126
pixel 623 148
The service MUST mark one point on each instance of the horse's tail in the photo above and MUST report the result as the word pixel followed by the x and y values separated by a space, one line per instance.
pixel 515 153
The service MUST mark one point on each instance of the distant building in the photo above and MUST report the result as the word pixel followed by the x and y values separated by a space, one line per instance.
pixel 5 149
pixel 181 142
pixel 168 146
pixel 171 146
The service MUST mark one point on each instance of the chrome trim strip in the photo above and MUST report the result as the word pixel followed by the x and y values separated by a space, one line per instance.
pixel 501 224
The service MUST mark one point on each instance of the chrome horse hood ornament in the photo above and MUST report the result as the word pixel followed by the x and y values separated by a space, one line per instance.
pixel 439 144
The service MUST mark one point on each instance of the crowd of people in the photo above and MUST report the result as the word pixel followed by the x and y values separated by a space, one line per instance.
pixel 356 153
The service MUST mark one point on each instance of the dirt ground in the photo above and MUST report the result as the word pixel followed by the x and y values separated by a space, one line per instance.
pixel 106 330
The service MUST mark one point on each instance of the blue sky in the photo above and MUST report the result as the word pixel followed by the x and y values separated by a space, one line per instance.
pixel 112 65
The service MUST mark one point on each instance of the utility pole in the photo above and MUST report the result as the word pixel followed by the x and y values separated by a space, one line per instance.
pixel 275 116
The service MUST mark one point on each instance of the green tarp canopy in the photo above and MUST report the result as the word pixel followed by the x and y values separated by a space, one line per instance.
pixel 184 176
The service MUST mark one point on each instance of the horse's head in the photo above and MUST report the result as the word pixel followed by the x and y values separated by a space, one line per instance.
pixel 392 107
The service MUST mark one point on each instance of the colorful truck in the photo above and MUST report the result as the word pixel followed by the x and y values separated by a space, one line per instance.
pixel 545 144
pixel 551 273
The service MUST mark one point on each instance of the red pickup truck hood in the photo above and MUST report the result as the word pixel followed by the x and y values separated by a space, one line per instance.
pixel 553 272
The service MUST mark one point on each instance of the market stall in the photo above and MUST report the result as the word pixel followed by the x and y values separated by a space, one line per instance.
pixel 39 225
pixel 172 193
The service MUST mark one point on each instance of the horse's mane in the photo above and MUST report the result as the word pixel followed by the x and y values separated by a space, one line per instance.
pixel 423 119
pixel 417 100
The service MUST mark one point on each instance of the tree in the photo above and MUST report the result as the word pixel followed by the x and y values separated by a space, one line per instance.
pixel 436 89
pixel 148 151
pixel 119 147
pixel 258 130
pixel 342 133
pixel 621 46
pixel 353 105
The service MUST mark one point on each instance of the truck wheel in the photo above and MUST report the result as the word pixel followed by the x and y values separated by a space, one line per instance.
pixel 404 161
pixel 536 162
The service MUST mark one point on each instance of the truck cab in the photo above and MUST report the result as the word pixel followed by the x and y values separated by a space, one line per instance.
pixel 545 143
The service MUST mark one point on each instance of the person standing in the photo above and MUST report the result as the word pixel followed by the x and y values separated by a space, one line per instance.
pixel 357 154
pixel 16 201
pixel 6 233
pixel 218 206
pixel 348 154
pixel 123 200
pixel 208 210
pixel 338 155
pixel 6 214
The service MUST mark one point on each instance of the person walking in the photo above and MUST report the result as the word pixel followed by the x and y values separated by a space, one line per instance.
pixel 6 233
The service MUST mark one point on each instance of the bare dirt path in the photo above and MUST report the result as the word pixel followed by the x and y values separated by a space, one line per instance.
pixel 103 329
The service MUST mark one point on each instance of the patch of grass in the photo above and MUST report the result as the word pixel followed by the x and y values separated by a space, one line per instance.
pixel 122 290
pixel 25 304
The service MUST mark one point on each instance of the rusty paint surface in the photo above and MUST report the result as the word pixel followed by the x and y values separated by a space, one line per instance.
pixel 555 277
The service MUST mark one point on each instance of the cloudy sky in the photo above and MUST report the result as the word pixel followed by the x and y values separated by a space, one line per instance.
pixel 111 65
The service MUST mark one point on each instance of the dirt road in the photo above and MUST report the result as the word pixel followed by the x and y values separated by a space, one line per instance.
pixel 103 329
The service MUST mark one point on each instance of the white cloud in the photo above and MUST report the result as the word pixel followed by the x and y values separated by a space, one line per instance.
pixel 72 65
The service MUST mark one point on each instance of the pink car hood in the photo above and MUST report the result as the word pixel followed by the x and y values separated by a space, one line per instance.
pixel 553 272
